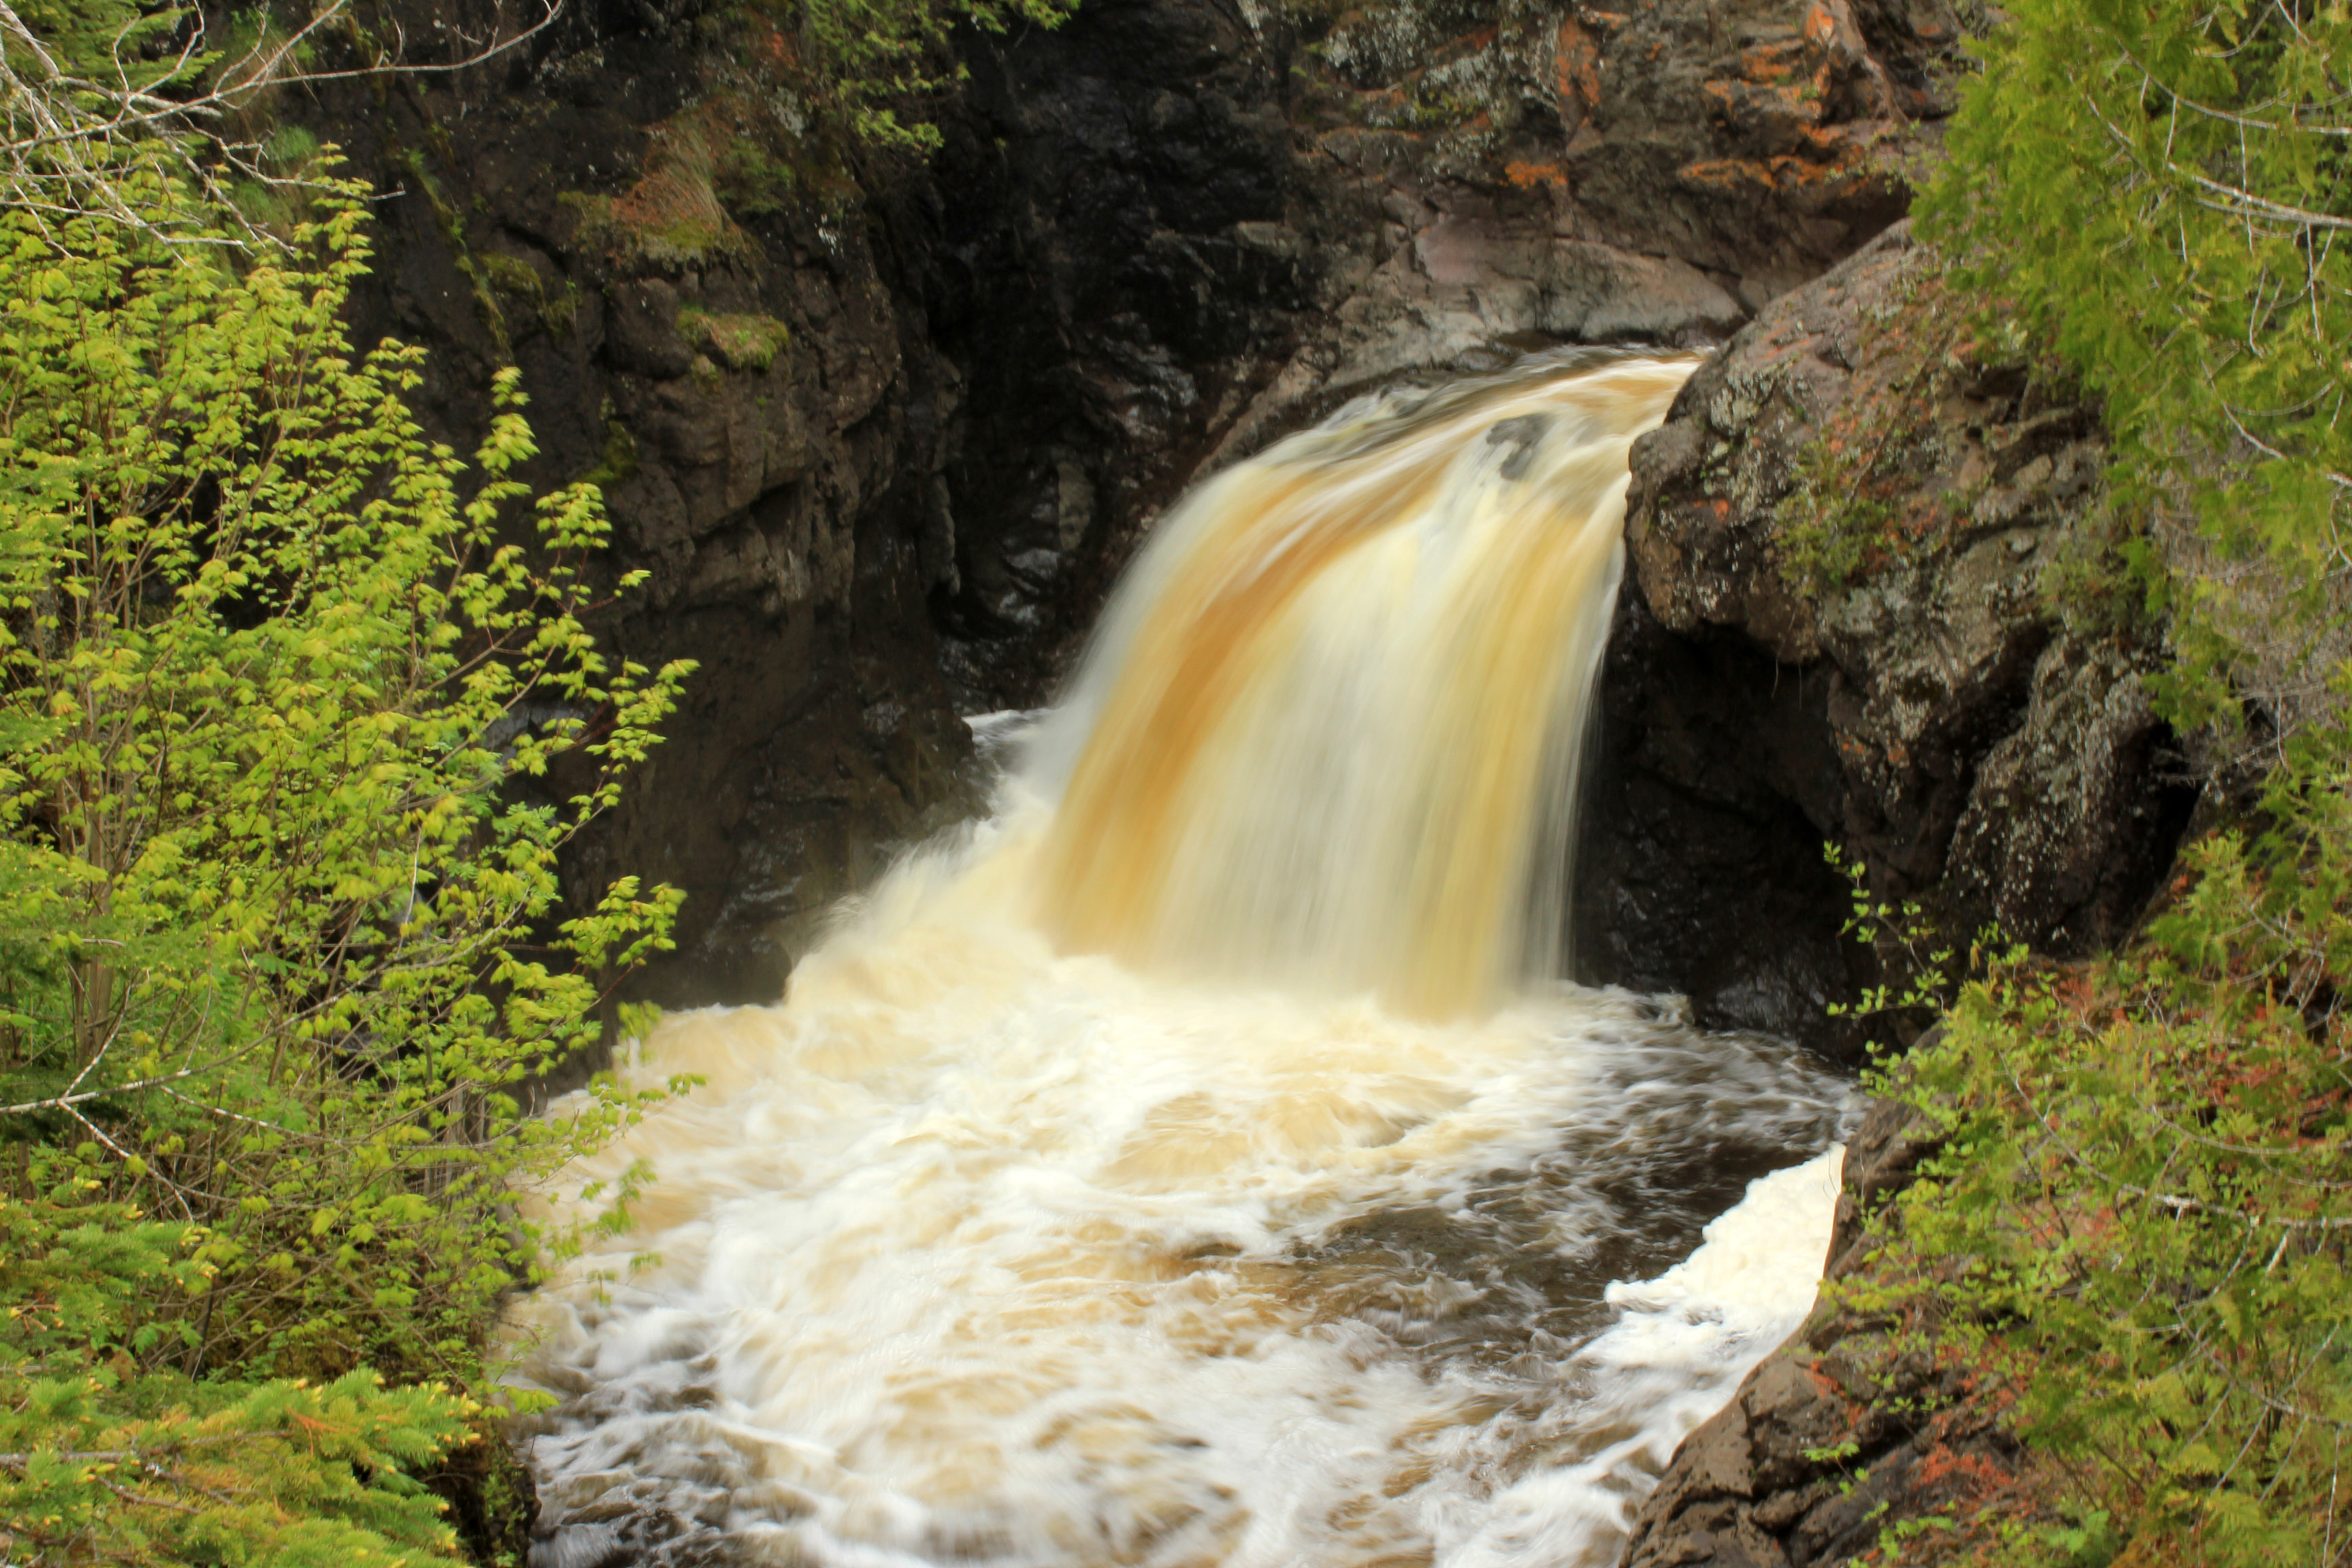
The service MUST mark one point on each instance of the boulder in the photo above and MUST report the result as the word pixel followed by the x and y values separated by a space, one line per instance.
pixel 1839 625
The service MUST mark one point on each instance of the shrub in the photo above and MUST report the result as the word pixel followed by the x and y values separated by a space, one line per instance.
pixel 285 693
pixel 2163 188
pixel 2137 1229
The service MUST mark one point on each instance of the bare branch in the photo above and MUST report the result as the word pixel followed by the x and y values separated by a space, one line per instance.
pixel 69 144
pixel 67 1101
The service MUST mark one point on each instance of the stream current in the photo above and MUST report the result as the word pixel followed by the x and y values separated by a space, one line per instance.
pixel 1202 1160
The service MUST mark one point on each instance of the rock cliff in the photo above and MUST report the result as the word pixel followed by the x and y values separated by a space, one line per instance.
pixel 1863 495
pixel 882 430
pixel 1843 1434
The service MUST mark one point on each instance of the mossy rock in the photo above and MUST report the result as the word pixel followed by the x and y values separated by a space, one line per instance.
pixel 519 280
pixel 738 341
pixel 618 462
pixel 512 275
pixel 671 220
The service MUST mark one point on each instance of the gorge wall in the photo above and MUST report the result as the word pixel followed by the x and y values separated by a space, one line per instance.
pixel 1849 545
pixel 882 430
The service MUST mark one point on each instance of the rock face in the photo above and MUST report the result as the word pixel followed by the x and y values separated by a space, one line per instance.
pixel 1841 1434
pixel 882 431
pixel 764 412
pixel 1646 175
pixel 1849 521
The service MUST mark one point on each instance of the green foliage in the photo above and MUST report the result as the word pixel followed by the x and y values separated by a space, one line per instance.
pixel 89 34
pixel 95 92
pixel 2161 185
pixel 866 62
pixel 2137 1229
pixel 297 710
pixel 1919 970
pixel 2140 1221
pixel 104 1452
pixel 1829 525
pixel 2096 576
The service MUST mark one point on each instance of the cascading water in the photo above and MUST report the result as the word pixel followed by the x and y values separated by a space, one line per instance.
pixel 1200 1162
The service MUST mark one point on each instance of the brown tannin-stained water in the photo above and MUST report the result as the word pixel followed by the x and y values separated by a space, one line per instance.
pixel 1202 1162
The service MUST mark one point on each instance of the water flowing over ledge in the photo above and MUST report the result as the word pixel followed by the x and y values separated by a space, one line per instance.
pixel 1329 732
pixel 1198 1162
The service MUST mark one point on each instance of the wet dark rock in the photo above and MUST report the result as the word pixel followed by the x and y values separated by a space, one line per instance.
pixel 1919 701
pixel 1931 711
pixel 1700 869
pixel 1651 175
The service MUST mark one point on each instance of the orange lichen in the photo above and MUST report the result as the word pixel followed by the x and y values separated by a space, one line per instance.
pixel 1975 1474
pixel 1576 72
pixel 1826 1386
pixel 1820 28
pixel 772 47
pixel 1733 174
pixel 1768 62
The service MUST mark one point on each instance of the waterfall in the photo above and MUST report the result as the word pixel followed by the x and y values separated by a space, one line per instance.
pixel 1203 1161
pixel 1330 728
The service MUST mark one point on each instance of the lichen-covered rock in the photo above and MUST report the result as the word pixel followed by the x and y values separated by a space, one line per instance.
pixel 1854 488
pixel 1686 164
pixel 1852 509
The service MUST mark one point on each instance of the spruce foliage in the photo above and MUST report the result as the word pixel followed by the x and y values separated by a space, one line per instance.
pixel 2135 1236
pixel 2164 188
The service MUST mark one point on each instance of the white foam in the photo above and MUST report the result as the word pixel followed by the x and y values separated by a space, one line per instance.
pixel 1683 1343
pixel 977 1252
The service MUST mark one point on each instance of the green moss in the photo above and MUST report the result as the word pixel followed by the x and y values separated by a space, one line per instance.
pixel 659 226
pixel 278 202
pixel 619 462
pixel 263 207
pixel 741 342
pixel 446 218
pixel 451 224
pixel 2104 576
pixel 518 280
pixel 754 183
pixel 560 310
pixel 290 147
pixel 514 275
